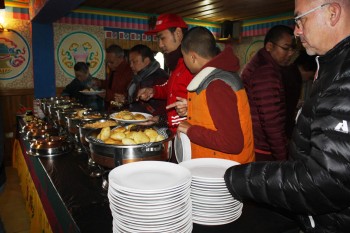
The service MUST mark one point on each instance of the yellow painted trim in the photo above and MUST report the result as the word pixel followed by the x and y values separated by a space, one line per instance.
pixel 203 24
pixel 266 21
pixel 96 12
pixel 19 5
pixel 136 16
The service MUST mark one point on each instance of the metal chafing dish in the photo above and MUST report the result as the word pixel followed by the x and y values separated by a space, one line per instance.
pixel 62 113
pixel 41 132
pixel 50 146
pixel 111 155
pixel 73 120
pixel 84 130
pixel 35 124
pixel 53 102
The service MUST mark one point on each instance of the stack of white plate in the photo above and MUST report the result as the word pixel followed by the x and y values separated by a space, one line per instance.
pixel 150 196
pixel 212 203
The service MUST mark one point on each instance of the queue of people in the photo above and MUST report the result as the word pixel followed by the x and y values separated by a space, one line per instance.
pixel 313 183
pixel 244 117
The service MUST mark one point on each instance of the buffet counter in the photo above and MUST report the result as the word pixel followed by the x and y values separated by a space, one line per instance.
pixel 62 197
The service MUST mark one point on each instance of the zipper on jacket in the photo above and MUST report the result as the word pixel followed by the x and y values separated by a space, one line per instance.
pixel 318 67
pixel 312 221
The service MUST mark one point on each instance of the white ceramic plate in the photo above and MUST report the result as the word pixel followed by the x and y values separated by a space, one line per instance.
pixel 214 221
pixel 148 176
pixel 92 92
pixel 182 148
pixel 146 115
pixel 207 169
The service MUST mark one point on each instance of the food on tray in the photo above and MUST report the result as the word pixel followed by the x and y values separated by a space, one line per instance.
pixel 105 133
pixel 120 129
pixel 126 115
pixel 139 116
pixel 110 141
pixel 83 114
pixel 141 137
pixel 123 136
pixel 128 141
pixel 117 135
pixel 117 104
pixel 97 125
pixel 80 113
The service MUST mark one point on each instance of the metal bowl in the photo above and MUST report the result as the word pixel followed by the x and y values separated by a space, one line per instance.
pixel 50 146
pixel 84 130
pixel 110 156
pixel 73 120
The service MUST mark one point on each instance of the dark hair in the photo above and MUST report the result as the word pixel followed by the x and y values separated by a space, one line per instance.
pixel 276 32
pixel 81 66
pixel 172 30
pixel 201 41
pixel 307 62
pixel 143 50
pixel 116 49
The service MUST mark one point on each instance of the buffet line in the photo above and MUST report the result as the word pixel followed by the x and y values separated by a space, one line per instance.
pixel 108 140
pixel 191 196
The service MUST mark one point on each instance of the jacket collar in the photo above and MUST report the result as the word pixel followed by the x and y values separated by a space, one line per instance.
pixel 334 52
pixel 199 78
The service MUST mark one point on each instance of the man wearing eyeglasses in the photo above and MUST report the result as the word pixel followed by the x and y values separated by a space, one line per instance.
pixel 262 78
pixel 315 182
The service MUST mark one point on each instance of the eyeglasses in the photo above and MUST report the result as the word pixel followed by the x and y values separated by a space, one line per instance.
pixel 287 49
pixel 299 17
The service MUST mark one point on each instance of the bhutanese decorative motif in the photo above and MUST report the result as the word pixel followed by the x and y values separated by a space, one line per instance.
pixel 79 47
pixel 14 55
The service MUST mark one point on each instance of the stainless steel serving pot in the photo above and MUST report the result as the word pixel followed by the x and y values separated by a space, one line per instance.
pixel 51 106
pixel 63 113
pixel 83 130
pixel 41 132
pixel 73 120
pixel 35 124
pixel 110 156
pixel 51 146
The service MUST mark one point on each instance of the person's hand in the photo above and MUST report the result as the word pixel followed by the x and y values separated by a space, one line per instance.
pixel 151 121
pixel 119 98
pixel 96 83
pixel 180 106
pixel 183 127
pixel 145 94
pixel 102 94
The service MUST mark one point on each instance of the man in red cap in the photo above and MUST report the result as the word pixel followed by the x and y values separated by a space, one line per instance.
pixel 170 30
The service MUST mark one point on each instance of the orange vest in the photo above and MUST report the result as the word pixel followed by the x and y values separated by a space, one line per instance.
pixel 198 114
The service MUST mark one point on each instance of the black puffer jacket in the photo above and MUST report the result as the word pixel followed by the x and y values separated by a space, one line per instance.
pixel 315 182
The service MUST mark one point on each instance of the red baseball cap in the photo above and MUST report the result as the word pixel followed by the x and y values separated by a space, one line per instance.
pixel 166 21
